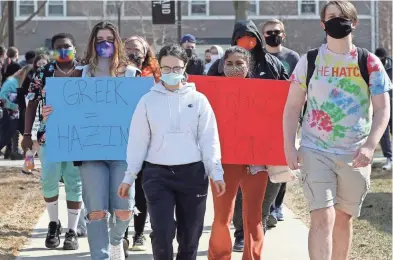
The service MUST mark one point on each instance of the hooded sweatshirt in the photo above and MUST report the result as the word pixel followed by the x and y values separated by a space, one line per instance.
pixel 220 55
pixel 173 128
pixel 266 66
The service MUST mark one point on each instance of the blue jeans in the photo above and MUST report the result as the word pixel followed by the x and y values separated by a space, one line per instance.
pixel 100 182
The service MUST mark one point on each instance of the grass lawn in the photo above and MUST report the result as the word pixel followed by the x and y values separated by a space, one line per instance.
pixel 21 206
pixel 373 230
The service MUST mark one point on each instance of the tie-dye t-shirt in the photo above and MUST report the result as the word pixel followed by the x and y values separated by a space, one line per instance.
pixel 339 111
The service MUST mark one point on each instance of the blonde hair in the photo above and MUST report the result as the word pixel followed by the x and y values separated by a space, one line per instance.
pixel 21 74
pixel 119 59
pixel 347 9
pixel 273 22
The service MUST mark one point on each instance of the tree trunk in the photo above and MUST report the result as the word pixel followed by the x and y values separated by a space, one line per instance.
pixel 241 10
pixel 4 34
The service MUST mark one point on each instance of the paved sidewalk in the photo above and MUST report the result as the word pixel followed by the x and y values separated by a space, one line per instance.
pixel 286 242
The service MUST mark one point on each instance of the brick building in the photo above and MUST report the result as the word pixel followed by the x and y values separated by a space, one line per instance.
pixel 210 21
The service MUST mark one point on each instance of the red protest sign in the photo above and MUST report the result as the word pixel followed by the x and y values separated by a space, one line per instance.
pixel 249 115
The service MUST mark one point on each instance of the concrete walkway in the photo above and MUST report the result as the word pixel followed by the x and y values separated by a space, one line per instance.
pixel 288 241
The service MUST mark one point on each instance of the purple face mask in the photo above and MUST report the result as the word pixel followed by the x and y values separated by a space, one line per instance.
pixel 105 49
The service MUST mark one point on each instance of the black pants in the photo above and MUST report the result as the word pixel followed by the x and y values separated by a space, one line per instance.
pixel 280 197
pixel 270 196
pixel 8 129
pixel 385 142
pixel 179 190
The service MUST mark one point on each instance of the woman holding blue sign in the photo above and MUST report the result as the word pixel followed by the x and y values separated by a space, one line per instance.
pixel 174 131
pixel 105 57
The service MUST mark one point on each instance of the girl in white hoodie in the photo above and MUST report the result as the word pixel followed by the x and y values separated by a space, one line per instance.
pixel 174 131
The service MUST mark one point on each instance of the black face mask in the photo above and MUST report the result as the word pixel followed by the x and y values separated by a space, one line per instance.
pixel 136 59
pixel 207 61
pixel 338 27
pixel 273 40
pixel 190 52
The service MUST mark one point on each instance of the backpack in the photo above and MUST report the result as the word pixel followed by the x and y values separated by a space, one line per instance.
pixel 362 61
pixel 312 56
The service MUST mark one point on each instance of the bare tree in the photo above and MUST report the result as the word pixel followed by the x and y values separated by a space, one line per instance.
pixel 4 19
pixel 241 10
pixel 385 25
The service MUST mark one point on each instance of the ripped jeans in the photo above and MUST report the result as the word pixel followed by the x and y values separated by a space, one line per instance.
pixel 100 182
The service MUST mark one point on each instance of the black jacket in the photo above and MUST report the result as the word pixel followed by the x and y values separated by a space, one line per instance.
pixel 195 66
pixel 388 67
pixel 266 66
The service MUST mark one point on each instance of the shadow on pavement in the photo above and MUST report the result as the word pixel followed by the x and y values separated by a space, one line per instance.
pixel 377 210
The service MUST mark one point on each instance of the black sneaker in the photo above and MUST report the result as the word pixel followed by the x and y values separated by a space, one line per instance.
pixel 71 241
pixel 16 156
pixel 238 246
pixel 53 236
pixel 139 243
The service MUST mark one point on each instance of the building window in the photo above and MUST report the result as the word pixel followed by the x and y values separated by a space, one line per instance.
pixel 26 8
pixel 111 7
pixel 198 7
pixel 308 7
pixel 55 8
pixel 253 7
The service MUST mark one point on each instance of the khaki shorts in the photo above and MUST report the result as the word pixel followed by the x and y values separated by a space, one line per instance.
pixel 330 180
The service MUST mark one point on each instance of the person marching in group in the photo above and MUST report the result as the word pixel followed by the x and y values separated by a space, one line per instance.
pixel 347 113
pixel 64 65
pixel 142 56
pixel 174 131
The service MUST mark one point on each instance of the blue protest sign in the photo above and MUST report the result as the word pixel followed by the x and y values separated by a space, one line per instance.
pixel 91 117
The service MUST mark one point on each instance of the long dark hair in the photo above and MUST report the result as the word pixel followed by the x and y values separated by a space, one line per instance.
pixel 119 59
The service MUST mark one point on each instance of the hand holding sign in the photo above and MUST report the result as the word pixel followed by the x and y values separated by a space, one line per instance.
pixel 91 116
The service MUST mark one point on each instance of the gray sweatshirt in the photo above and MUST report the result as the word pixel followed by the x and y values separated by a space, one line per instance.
pixel 173 128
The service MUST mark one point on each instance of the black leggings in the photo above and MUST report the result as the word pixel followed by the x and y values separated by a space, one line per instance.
pixel 8 130
pixel 140 204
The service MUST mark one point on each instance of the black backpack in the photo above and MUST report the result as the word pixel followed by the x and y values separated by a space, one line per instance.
pixel 362 61
pixel 312 56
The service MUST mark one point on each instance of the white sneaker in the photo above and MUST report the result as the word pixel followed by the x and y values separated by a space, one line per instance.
pixel 117 252
pixel 388 165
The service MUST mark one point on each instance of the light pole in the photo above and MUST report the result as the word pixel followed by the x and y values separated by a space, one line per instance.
pixel 119 5
pixel 179 33
pixel 11 23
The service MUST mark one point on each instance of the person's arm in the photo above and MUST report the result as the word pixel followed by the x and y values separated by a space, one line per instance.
pixel 380 85
pixel 30 114
pixel 293 106
pixel 209 141
pixel 138 142
pixel 8 88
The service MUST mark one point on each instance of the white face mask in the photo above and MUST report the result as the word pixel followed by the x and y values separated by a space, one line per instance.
pixel 214 57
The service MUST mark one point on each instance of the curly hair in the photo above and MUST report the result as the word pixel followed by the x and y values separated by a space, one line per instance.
pixel 150 66
pixel 119 59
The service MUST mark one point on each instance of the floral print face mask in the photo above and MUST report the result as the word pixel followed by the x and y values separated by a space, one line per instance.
pixel 105 49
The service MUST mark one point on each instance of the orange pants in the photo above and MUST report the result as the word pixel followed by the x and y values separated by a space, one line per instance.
pixel 253 189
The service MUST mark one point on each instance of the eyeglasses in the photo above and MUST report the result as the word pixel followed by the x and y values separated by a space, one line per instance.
pixel 166 70
pixel 276 32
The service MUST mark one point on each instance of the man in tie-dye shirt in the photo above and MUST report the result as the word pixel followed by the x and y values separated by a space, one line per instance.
pixel 343 123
